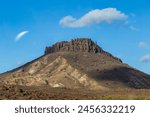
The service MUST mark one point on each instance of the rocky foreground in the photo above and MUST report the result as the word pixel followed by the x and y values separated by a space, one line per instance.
pixel 48 93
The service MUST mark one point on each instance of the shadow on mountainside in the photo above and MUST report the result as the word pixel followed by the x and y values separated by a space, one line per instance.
pixel 124 75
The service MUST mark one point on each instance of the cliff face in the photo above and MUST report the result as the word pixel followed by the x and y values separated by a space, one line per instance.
pixel 76 45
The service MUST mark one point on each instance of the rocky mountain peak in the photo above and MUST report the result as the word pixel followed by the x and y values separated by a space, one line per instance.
pixel 78 45
pixel 75 45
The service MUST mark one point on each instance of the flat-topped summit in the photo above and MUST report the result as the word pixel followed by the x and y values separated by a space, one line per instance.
pixel 78 45
pixel 75 45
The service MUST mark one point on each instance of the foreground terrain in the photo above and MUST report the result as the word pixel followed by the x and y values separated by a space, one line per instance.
pixel 48 93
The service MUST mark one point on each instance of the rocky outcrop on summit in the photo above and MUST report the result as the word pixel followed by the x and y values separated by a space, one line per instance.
pixel 77 45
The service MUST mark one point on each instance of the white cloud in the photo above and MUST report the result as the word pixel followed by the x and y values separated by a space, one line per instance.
pixel 145 58
pixel 20 35
pixel 133 28
pixel 144 45
pixel 128 25
pixel 19 63
pixel 96 16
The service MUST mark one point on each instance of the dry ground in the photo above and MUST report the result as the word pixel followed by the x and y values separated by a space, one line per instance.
pixel 47 93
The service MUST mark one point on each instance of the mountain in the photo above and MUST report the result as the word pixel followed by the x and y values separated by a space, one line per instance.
pixel 78 64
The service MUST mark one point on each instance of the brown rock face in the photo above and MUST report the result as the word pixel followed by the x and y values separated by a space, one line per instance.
pixel 76 45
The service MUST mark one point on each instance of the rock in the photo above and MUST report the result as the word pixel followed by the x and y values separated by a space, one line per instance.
pixel 76 45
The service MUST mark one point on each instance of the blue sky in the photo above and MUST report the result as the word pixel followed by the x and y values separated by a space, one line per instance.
pixel 120 27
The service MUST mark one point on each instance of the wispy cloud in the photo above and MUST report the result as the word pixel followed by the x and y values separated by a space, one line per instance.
pixel 128 25
pixel 133 28
pixel 144 45
pixel 96 16
pixel 19 63
pixel 20 35
pixel 145 58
